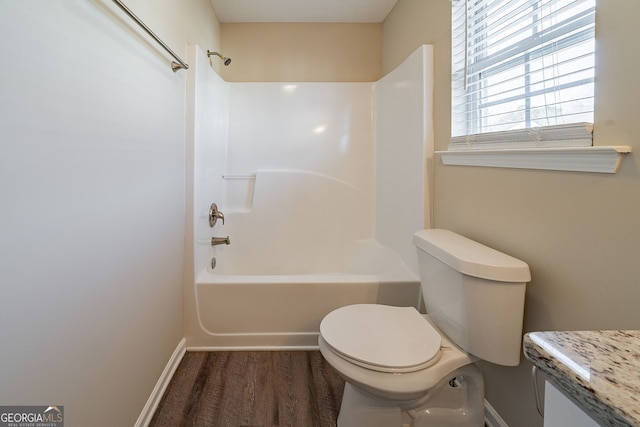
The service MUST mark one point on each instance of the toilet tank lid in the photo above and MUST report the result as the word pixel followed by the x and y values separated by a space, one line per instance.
pixel 470 257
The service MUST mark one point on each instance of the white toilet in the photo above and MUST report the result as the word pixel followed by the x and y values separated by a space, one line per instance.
pixel 403 368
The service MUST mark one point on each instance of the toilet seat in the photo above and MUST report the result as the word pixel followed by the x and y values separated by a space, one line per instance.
pixel 382 338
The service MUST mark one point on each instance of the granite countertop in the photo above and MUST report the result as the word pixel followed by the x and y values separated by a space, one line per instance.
pixel 599 369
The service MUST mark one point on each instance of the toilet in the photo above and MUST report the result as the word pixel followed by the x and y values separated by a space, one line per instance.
pixel 406 369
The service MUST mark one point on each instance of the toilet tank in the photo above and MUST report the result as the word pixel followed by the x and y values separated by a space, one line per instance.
pixel 473 293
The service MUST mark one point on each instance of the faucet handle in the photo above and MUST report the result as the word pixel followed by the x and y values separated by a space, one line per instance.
pixel 214 215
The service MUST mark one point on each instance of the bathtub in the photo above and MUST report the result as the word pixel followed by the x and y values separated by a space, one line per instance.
pixel 276 305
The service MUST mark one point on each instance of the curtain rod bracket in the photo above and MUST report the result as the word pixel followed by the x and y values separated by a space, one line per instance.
pixel 175 66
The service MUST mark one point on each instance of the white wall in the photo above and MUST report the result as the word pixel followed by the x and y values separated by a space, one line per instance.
pixel 92 193
pixel 319 128
pixel 276 131
pixel 404 153
pixel 207 122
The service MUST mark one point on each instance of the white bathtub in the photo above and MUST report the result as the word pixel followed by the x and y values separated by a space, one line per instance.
pixel 243 305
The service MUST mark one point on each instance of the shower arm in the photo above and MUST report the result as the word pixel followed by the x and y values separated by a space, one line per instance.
pixel 226 60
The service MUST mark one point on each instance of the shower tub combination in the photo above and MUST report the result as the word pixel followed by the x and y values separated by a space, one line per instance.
pixel 272 285
pixel 280 310
pixel 320 200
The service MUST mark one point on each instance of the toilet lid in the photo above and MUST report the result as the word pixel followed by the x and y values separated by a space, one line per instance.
pixel 381 337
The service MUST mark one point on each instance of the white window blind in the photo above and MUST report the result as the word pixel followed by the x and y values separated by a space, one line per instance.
pixel 522 73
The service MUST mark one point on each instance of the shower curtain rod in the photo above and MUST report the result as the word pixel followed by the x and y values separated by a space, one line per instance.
pixel 175 66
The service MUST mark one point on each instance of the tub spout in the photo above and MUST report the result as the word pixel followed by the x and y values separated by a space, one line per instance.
pixel 220 241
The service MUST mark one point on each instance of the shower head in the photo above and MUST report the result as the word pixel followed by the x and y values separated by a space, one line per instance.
pixel 226 60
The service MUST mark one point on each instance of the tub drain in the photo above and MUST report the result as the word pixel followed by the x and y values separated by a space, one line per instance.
pixel 213 263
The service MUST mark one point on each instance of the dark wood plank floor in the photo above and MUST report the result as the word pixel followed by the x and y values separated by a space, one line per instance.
pixel 257 389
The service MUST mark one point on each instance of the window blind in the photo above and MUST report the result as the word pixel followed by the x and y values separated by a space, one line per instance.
pixel 522 73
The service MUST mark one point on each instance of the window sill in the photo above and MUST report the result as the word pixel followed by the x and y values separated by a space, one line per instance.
pixel 575 159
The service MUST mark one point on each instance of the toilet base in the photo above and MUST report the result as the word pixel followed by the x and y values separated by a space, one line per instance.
pixel 450 403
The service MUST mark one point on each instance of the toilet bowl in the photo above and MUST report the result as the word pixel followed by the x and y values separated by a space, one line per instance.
pixel 403 368
pixel 389 379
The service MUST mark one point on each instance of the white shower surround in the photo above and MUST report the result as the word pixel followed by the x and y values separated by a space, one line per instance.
pixel 322 186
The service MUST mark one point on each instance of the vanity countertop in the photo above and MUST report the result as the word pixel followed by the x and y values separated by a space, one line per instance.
pixel 599 369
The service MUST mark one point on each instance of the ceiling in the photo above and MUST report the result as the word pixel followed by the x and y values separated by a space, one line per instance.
pixel 302 10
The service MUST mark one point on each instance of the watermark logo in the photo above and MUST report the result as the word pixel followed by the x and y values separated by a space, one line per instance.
pixel 32 416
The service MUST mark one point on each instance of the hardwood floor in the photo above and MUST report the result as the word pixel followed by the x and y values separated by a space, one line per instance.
pixel 257 389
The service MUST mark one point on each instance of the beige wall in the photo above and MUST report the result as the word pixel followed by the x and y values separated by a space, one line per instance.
pixel 301 52
pixel 579 232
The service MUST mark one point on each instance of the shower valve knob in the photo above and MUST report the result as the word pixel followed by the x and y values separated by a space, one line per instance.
pixel 215 215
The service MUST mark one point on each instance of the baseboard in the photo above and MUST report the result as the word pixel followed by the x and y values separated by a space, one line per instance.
pixel 491 417
pixel 154 399
pixel 254 348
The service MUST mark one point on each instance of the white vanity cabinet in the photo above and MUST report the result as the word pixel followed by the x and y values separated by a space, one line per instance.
pixel 562 411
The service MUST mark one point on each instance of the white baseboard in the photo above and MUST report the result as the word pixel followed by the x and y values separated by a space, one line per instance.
pixel 154 399
pixel 491 417
pixel 254 348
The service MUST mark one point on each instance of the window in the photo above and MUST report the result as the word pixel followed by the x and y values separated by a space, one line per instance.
pixel 522 73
